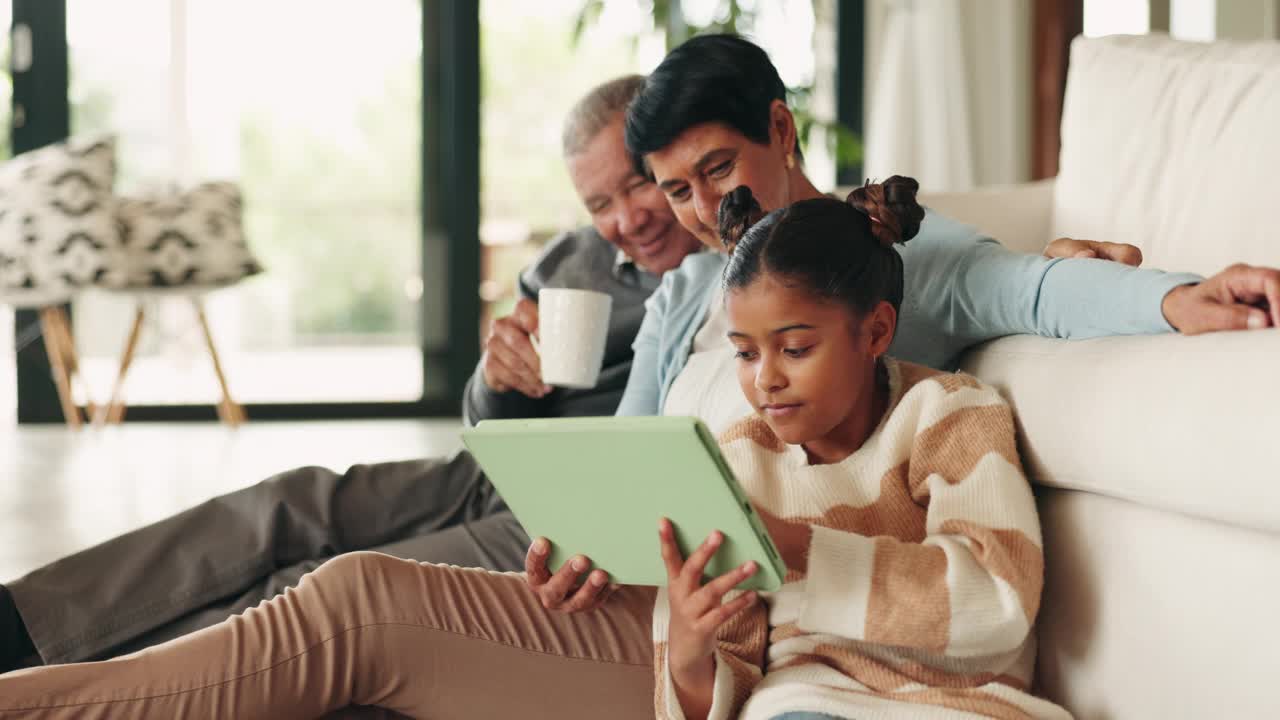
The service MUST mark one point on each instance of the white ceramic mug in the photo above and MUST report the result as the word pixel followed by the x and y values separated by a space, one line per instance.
pixel 573 326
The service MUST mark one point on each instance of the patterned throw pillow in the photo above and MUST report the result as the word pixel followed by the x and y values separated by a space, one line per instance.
pixel 194 239
pixel 58 229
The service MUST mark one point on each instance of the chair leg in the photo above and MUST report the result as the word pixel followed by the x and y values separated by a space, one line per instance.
pixel 71 357
pixel 57 363
pixel 229 411
pixel 113 411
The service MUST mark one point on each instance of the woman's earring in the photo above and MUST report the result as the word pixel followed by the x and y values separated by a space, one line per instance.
pixel 791 161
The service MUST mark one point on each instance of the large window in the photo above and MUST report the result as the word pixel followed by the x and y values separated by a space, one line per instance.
pixel 314 107
pixel 533 72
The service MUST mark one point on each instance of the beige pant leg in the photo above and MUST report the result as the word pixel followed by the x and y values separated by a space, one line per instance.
pixel 424 640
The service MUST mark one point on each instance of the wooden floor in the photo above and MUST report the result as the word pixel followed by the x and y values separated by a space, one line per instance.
pixel 62 491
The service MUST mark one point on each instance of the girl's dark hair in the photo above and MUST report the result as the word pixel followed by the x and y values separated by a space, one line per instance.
pixel 840 251
pixel 708 78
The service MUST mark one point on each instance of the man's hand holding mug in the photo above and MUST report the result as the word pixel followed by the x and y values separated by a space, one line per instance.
pixel 510 362
pixel 574 328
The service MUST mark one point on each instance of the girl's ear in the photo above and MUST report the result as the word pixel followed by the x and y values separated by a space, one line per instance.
pixel 880 324
pixel 782 127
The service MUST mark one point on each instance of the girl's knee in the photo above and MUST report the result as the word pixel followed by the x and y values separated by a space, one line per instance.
pixel 361 564
pixel 363 575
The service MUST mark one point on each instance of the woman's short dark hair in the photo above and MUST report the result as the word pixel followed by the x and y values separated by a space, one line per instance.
pixel 837 250
pixel 708 78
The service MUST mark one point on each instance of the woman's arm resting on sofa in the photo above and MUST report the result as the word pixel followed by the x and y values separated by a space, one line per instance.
pixel 976 289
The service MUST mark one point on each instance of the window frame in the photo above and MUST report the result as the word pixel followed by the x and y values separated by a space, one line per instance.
pixel 449 333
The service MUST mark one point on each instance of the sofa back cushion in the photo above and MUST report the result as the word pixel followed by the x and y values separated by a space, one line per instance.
pixel 1174 147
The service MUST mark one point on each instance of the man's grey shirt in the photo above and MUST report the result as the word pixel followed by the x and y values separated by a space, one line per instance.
pixel 579 259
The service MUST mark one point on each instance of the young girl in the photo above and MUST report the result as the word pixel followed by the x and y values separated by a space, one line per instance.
pixel 893 492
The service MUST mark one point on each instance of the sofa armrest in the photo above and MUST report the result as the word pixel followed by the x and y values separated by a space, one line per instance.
pixel 1019 216
pixel 1178 423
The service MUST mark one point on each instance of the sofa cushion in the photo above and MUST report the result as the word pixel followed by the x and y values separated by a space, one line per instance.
pixel 192 239
pixel 1016 215
pixel 1172 146
pixel 58 227
pixel 1150 614
pixel 1181 423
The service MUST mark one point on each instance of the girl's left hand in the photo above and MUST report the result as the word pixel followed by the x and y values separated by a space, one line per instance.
pixel 698 610
pixel 566 590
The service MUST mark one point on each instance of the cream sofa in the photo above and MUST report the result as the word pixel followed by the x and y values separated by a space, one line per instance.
pixel 1156 458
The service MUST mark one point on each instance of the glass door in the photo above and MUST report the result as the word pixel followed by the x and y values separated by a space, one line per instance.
pixel 314 107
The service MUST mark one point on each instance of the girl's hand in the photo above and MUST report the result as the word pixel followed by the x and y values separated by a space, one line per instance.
pixel 563 591
pixel 696 613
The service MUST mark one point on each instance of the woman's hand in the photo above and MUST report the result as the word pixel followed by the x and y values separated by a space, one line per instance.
pixel 697 611
pixel 1074 248
pixel 1242 297
pixel 565 590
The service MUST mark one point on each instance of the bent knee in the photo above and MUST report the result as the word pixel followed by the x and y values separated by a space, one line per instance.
pixel 363 577
pixel 361 565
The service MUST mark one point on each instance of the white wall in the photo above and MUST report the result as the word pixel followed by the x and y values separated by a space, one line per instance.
pixel 1208 20
pixel 1247 19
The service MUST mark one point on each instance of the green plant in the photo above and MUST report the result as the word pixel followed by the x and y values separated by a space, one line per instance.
pixel 848 146
pixel 732 16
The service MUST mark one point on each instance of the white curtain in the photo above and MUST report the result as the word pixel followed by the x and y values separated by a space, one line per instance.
pixel 919 120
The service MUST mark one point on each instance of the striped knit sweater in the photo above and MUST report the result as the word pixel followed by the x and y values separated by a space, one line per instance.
pixel 921 584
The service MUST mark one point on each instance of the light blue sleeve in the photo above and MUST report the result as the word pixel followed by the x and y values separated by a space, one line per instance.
pixel 644 384
pixel 963 288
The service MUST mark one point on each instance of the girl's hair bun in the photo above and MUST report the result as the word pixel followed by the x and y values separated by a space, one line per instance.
pixel 737 213
pixel 895 214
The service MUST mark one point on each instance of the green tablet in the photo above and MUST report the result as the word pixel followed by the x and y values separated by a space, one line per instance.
pixel 597 486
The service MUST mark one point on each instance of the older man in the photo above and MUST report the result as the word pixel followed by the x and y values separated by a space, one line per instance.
pixel 226 555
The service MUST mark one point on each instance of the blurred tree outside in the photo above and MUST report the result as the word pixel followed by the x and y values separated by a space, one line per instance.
pixel 340 217
pixel 534 66
pixel 682 20
pixel 332 206
pixel 331 184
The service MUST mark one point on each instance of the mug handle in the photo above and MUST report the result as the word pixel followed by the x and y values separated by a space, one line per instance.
pixel 537 348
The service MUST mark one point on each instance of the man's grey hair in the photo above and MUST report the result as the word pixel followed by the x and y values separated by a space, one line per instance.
pixel 597 109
